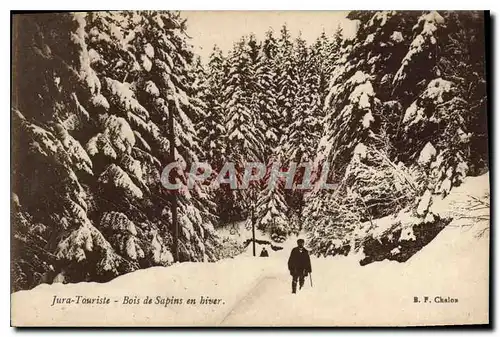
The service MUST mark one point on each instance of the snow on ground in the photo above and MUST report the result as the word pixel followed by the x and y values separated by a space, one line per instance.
pixel 256 291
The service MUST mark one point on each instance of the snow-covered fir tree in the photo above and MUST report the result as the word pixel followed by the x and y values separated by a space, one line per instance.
pixel 99 137
pixel 302 134
pixel 413 129
pixel 212 128
pixel 286 79
pixel 266 94
pixel 244 137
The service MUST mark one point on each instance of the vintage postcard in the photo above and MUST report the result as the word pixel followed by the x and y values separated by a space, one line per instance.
pixel 232 168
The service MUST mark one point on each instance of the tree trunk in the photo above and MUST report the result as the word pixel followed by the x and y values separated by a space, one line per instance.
pixel 173 195
pixel 253 232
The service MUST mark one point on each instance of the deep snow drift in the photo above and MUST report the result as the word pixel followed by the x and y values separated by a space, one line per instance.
pixel 257 291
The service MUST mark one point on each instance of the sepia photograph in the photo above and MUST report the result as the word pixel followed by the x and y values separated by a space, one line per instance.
pixel 250 168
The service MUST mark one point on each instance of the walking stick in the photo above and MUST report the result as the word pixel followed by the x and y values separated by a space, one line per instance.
pixel 311 279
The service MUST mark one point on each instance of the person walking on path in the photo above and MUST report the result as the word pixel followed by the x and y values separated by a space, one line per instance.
pixel 264 252
pixel 299 265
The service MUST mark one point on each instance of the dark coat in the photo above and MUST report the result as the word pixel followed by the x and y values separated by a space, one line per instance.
pixel 299 262
pixel 264 253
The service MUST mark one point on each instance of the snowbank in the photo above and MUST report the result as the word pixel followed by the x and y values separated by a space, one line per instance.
pixel 224 280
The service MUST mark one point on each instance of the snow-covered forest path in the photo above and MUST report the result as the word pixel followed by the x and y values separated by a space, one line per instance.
pixel 250 302
pixel 345 293
pixel 256 291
